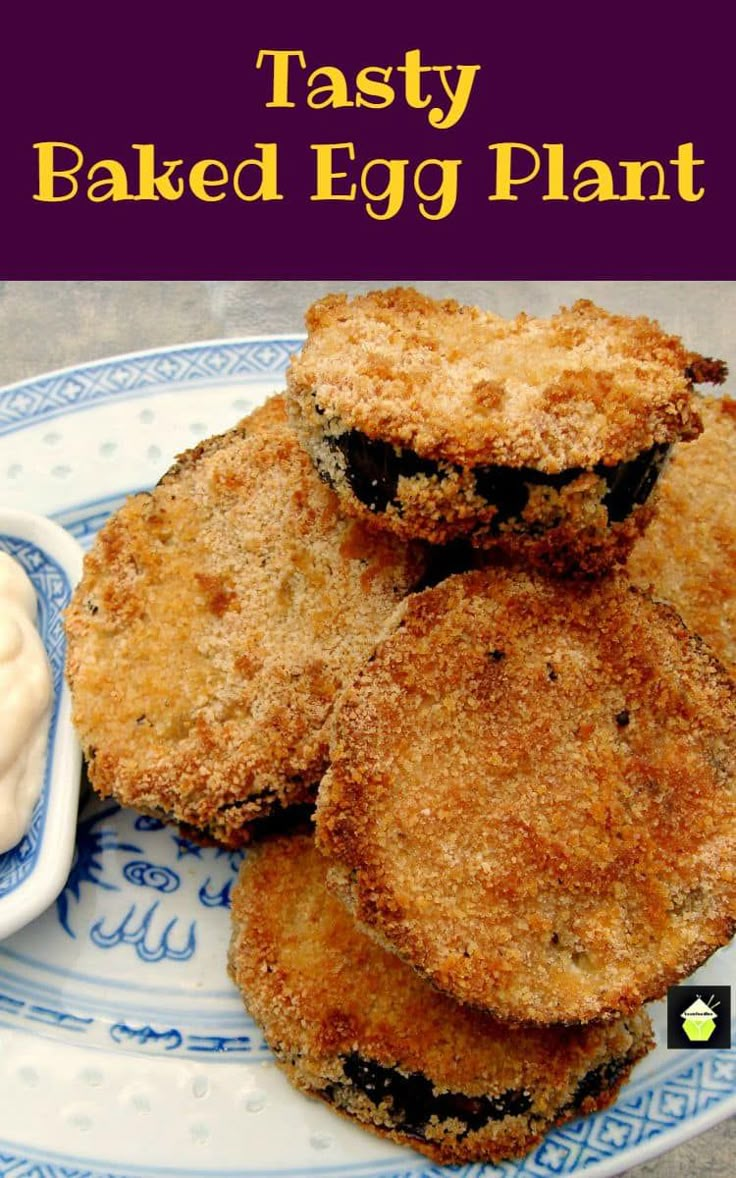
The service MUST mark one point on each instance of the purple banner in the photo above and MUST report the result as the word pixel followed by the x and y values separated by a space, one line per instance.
pixel 571 140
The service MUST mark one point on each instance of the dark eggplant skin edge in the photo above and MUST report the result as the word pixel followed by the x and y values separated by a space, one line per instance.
pixel 373 469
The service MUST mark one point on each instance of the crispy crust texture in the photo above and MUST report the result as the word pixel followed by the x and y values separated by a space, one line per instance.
pixel 531 796
pixel 467 387
pixel 352 1024
pixel 204 652
pixel 688 557
pixel 566 530
pixel 582 542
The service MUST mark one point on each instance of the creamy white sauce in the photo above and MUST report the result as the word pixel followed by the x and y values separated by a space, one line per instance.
pixel 25 699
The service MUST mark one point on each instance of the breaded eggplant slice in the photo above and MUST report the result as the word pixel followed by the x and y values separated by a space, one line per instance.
pixel 352 1024
pixel 532 795
pixel 216 620
pixel 688 555
pixel 543 438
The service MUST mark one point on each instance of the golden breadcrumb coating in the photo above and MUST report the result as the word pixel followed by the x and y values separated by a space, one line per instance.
pixel 688 556
pixel 573 528
pixel 455 383
pixel 531 797
pixel 352 1024
pixel 581 541
pixel 216 619
pixel 271 413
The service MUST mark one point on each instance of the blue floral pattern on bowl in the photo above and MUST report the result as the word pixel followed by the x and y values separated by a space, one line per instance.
pixel 127 970
pixel 53 591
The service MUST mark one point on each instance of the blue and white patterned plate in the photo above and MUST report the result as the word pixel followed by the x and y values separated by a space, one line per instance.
pixel 124 1049
pixel 33 872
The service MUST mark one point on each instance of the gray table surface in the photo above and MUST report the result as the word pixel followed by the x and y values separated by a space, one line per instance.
pixel 48 325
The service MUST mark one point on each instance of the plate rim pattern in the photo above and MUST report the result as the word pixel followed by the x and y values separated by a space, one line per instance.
pixel 704 1099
